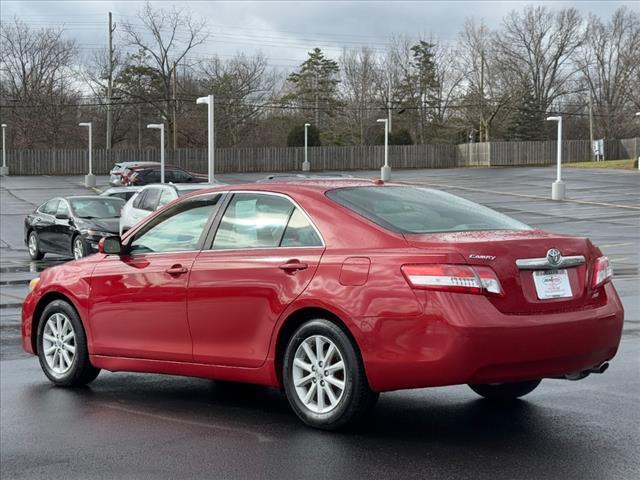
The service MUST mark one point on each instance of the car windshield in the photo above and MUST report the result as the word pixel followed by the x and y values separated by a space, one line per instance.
pixel 421 210
pixel 99 207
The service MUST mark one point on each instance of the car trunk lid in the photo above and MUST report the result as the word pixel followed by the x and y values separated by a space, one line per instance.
pixel 501 249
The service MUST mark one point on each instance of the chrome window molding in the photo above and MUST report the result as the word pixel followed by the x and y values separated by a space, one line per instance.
pixel 543 263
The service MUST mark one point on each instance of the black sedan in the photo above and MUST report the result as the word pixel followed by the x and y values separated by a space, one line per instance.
pixel 71 226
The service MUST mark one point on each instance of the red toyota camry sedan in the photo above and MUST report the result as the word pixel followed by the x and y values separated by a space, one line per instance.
pixel 334 290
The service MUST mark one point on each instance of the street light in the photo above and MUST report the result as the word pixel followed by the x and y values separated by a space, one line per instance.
pixel 305 165
pixel 558 187
pixel 4 170
pixel 160 126
pixel 385 171
pixel 90 178
pixel 211 145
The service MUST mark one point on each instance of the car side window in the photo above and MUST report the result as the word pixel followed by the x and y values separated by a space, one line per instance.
pixel 300 232
pixel 139 199
pixel 253 220
pixel 180 176
pixel 178 229
pixel 51 207
pixel 166 196
pixel 63 209
pixel 150 201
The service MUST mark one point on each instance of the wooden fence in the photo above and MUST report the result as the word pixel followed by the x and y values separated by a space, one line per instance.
pixel 283 159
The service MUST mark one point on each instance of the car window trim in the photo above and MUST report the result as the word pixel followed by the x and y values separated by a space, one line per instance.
pixel 210 237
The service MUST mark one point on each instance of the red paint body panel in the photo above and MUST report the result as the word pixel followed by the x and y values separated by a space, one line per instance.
pixel 222 318
pixel 236 297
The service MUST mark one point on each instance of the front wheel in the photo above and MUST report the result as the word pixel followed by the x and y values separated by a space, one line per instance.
pixel 78 247
pixel 324 378
pixel 62 346
pixel 33 245
pixel 505 391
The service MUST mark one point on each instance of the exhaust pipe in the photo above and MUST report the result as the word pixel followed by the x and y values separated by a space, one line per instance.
pixel 585 373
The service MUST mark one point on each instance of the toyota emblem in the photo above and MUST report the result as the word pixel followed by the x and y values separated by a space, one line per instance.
pixel 554 257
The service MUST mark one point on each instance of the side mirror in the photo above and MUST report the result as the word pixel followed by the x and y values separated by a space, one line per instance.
pixel 62 216
pixel 110 245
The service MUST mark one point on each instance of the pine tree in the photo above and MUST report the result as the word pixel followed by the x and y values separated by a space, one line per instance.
pixel 526 119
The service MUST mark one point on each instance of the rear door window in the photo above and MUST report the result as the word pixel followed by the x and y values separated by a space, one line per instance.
pixel 253 220
pixel 139 199
pixel 150 201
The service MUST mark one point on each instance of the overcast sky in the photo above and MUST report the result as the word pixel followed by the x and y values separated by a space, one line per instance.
pixel 285 31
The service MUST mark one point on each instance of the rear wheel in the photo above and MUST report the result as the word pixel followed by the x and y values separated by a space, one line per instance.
pixel 505 391
pixel 62 346
pixel 324 378
pixel 33 244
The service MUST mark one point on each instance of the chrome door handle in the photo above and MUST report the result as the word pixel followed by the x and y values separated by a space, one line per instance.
pixel 176 270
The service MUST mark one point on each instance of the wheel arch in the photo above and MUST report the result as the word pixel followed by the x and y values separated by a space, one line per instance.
pixel 46 299
pixel 294 320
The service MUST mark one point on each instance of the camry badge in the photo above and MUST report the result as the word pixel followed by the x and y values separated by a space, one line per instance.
pixel 554 257
pixel 482 257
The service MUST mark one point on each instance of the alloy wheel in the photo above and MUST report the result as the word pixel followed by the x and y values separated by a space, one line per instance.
pixel 319 374
pixel 78 248
pixel 33 245
pixel 59 344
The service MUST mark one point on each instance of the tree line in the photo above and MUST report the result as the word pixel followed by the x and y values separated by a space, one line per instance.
pixel 489 85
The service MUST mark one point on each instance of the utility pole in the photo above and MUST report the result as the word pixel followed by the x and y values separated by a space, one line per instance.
pixel 481 95
pixel 591 125
pixel 175 121
pixel 112 28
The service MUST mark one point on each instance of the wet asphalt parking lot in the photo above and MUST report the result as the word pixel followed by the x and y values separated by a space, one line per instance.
pixel 152 426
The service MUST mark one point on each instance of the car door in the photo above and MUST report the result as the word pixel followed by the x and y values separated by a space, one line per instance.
pixel 44 223
pixel 62 229
pixel 264 253
pixel 138 299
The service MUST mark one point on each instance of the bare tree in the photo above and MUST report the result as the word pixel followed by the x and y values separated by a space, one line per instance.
pixel 538 45
pixel 36 81
pixel 610 65
pixel 360 70
pixel 167 36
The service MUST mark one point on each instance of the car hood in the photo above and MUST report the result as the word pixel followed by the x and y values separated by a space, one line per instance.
pixel 110 225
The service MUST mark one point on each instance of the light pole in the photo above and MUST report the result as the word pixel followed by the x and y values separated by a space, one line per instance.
pixel 637 115
pixel 305 165
pixel 558 187
pixel 160 126
pixel 90 178
pixel 211 144
pixel 4 170
pixel 385 171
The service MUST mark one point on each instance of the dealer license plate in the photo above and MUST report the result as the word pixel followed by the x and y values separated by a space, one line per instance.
pixel 552 284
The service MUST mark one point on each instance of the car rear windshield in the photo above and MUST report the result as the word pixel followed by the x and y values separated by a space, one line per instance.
pixel 421 210
pixel 99 207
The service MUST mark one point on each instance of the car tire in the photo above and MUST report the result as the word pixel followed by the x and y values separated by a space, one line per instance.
pixel 78 248
pixel 505 391
pixel 322 393
pixel 33 245
pixel 62 346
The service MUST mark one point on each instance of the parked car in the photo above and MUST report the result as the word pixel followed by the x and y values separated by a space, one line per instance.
pixel 115 176
pixel 150 198
pixel 71 226
pixel 334 291
pixel 146 175
pixel 124 193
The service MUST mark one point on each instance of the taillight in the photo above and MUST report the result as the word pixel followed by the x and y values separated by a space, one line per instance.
pixel 602 272
pixel 453 278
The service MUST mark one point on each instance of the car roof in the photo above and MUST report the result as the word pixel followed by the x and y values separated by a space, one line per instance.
pixel 304 185
pixel 183 186
pixel 128 188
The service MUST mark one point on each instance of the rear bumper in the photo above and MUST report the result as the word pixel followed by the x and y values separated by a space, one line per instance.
pixel 475 343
